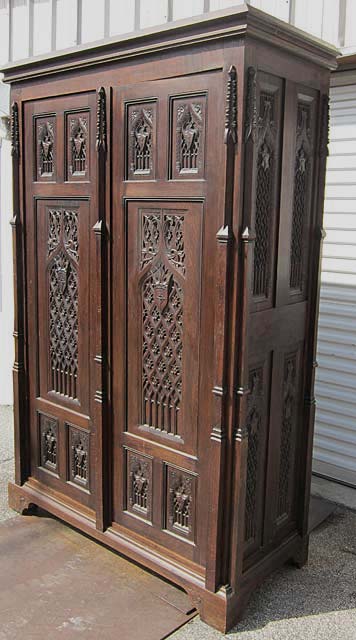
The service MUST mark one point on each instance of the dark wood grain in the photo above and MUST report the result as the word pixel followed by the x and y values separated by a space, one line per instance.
pixel 167 253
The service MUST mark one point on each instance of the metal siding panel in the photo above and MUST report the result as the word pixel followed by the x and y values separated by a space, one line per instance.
pixel 335 424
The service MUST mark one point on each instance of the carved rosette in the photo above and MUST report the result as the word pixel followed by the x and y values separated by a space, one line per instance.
pixel 180 502
pixel 78 456
pixel 139 484
pixel 48 435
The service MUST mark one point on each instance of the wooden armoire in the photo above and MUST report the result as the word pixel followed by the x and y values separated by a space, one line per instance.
pixel 168 196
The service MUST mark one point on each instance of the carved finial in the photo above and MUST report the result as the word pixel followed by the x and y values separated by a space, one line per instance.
pixel 101 121
pixel 231 107
pixel 324 136
pixel 15 133
pixel 251 106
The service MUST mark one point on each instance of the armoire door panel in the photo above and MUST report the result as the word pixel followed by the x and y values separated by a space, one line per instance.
pixel 267 165
pixel 63 301
pixel 163 312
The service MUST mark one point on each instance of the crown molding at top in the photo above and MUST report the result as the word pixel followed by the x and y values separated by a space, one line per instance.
pixel 219 25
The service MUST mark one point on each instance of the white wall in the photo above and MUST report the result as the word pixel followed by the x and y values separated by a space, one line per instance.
pixel 6 275
pixel 31 27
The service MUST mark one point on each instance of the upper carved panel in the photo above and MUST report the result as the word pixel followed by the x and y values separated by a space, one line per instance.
pixel 63 296
pixel 45 148
pixel 141 136
pixel 301 205
pixel 188 132
pixel 163 257
pixel 78 146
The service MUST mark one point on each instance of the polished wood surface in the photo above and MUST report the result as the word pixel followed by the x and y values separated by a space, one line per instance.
pixel 167 230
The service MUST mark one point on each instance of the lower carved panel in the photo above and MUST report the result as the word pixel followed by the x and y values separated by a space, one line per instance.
pixel 48 435
pixel 139 484
pixel 78 452
pixel 180 508
pixel 289 417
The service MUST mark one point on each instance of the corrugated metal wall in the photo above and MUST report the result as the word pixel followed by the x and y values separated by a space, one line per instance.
pixel 335 429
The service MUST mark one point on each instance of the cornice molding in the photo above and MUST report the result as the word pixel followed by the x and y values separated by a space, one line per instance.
pixel 199 30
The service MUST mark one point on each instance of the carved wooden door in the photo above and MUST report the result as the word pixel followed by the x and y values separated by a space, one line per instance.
pixel 60 213
pixel 166 168
pixel 279 301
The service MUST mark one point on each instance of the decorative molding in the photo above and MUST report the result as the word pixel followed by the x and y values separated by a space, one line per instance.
pixel 15 130
pixel 231 107
pixel 251 105
pixel 101 130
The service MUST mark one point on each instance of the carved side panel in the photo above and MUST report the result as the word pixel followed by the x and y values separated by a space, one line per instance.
pixel 162 250
pixel 45 152
pixel 257 425
pixel 78 456
pixel 301 198
pixel 188 130
pixel 141 140
pixel 180 508
pixel 266 169
pixel 287 436
pixel 139 484
pixel 63 297
pixel 49 445
pixel 78 146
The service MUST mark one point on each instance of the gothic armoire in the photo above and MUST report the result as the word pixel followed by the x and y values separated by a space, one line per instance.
pixel 168 196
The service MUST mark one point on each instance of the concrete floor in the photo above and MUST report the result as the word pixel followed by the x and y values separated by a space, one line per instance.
pixel 317 602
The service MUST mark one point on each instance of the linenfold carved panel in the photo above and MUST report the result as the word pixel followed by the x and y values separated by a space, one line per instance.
pixel 78 146
pixel 48 435
pixel 141 136
pixel 78 456
pixel 180 510
pixel 62 283
pixel 45 137
pixel 188 132
pixel 302 176
pixel 139 484
pixel 289 416
pixel 163 257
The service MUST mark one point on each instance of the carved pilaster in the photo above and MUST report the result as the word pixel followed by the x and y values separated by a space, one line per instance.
pixel 324 135
pixel 251 105
pixel 101 120
pixel 231 107
pixel 15 132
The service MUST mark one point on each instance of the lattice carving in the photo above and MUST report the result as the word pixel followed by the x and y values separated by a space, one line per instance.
pixel 139 484
pixel 266 136
pixel 302 175
pixel 141 141
pixel 253 423
pixel 49 442
pixel 163 226
pixel 79 457
pixel 181 490
pixel 63 258
pixel 45 147
pixel 78 145
pixel 289 409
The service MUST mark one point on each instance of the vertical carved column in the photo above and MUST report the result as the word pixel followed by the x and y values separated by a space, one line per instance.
pixel 22 446
pixel 317 237
pixel 224 237
pixel 247 241
pixel 100 399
